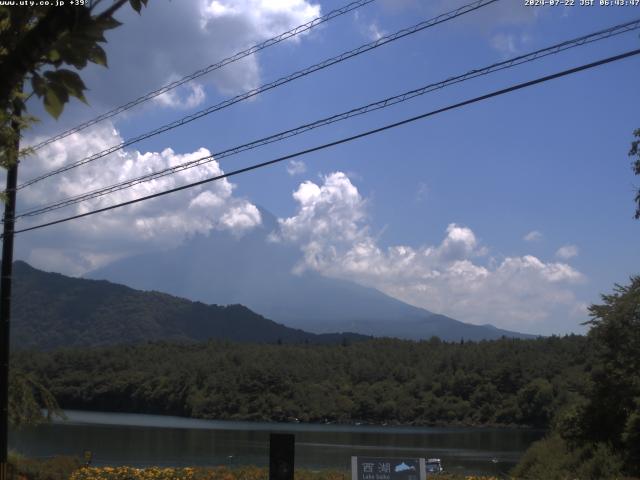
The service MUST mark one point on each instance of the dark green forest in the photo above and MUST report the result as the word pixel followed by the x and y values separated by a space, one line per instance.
pixel 52 310
pixel 506 382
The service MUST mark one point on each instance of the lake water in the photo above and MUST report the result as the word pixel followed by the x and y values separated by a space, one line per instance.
pixel 143 440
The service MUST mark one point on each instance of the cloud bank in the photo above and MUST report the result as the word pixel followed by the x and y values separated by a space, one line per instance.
pixel 455 277
pixel 81 245
pixel 171 39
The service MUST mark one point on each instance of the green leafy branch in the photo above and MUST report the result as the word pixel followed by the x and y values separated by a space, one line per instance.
pixel 35 47
pixel 28 399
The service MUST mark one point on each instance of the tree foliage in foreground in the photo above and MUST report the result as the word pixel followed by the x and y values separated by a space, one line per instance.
pixel 41 50
pixel 28 399
pixel 505 382
pixel 599 437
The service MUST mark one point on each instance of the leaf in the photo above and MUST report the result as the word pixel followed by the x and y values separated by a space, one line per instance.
pixel 136 5
pixel 53 55
pixel 98 55
pixel 38 85
pixel 106 23
pixel 52 104
pixel 74 84
pixel 75 55
pixel 94 32
pixel 71 81
pixel 54 99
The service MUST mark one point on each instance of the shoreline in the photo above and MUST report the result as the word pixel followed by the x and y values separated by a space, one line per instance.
pixel 75 416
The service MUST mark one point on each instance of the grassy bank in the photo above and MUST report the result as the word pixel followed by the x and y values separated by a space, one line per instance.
pixel 57 468
pixel 65 468
pixel 217 473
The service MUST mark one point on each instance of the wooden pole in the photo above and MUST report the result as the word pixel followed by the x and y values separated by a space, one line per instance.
pixel 281 456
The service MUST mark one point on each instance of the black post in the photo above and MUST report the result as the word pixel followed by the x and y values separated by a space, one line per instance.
pixel 5 299
pixel 281 456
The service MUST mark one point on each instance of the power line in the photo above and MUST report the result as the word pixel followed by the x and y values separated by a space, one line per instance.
pixel 281 81
pixel 381 104
pixel 487 96
pixel 199 73
pixel 600 35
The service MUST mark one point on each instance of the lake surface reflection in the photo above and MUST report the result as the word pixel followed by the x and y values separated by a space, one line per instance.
pixel 143 440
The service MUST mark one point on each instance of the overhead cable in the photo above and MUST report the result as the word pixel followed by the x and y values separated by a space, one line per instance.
pixel 199 73
pixel 381 104
pixel 281 81
pixel 367 133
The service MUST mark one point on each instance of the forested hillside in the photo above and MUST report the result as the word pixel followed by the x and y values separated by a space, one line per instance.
pixel 52 310
pixel 504 382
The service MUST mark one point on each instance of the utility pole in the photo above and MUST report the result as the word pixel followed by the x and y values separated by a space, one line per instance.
pixel 5 295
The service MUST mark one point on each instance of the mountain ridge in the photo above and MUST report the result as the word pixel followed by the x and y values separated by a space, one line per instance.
pixel 255 271
pixel 51 310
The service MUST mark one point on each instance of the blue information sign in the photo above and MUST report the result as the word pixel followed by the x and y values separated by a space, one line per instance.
pixel 377 468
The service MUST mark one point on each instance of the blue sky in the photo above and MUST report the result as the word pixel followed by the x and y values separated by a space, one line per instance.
pixel 517 211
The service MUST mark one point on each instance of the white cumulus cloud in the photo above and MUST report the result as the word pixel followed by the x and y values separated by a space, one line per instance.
pixel 332 211
pixel 172 39
pixel 296 167
pixel 184 97
pixel 375 32
pixel 155 224
pixel 454 277
pixel 567 251
pixel 533 236
pixel 266 18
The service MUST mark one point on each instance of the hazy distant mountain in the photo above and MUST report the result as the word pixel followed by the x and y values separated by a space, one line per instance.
pixel 51 310
pixel 256 272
